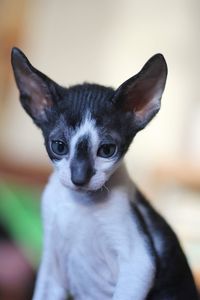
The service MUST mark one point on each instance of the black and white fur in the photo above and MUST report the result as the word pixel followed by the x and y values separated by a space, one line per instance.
pixel 102 239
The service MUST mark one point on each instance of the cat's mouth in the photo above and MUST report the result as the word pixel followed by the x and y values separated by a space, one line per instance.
pixel 81 189
pixel 85 189
pixel 88 195
pixel 76 188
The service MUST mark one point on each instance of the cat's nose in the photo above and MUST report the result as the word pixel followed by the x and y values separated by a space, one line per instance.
pixel 81 172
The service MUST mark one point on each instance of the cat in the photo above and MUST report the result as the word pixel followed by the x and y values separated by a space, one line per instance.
pixel 102 239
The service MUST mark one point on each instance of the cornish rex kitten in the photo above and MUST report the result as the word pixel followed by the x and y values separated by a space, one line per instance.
pixel 102 239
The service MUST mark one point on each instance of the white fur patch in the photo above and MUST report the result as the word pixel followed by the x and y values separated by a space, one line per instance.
pixel 94 248
pixel 87 127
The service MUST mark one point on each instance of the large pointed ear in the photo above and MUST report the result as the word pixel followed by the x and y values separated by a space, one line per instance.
pixel 141 94
pixel 34 87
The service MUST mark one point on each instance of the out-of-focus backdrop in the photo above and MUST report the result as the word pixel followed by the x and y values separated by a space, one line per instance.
pixel 104 42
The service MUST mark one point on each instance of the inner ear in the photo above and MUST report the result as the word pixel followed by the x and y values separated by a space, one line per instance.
pixel 141 94
pixel 33 86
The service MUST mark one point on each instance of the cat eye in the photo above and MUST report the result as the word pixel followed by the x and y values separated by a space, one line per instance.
pixel 107 150
pixel 59 147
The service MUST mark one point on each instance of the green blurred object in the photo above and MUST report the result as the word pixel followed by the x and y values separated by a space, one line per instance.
pixel 20 214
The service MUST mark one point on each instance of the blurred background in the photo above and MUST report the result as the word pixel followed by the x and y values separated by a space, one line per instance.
pixel 105 42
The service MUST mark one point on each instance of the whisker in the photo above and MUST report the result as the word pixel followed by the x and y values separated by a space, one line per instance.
pixel 107 189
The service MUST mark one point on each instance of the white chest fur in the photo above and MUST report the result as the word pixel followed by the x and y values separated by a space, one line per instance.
pixel 98 248
pixel 88 259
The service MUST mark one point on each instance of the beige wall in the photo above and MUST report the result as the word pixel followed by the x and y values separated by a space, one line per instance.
pixel 106 42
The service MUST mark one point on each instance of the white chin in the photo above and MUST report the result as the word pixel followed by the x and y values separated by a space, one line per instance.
pixel 87 188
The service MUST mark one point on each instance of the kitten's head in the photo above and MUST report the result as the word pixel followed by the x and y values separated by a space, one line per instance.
pixel 88 128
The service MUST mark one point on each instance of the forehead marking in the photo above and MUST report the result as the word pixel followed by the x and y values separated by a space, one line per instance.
pixel 87 128
pixel 83 147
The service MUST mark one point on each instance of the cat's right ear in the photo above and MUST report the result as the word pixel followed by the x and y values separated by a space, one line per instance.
pixel 34 87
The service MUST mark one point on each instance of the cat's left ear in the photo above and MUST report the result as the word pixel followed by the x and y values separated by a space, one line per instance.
pixel 34 87
pixel 141 94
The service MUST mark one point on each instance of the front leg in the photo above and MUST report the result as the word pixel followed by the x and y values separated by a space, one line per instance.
pixel 136 276
pixel 49 283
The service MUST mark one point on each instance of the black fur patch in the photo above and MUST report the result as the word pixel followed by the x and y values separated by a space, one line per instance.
pixel 173 280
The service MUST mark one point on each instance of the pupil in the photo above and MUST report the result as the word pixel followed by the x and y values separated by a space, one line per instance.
pixel 107 150
pixel 61 147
